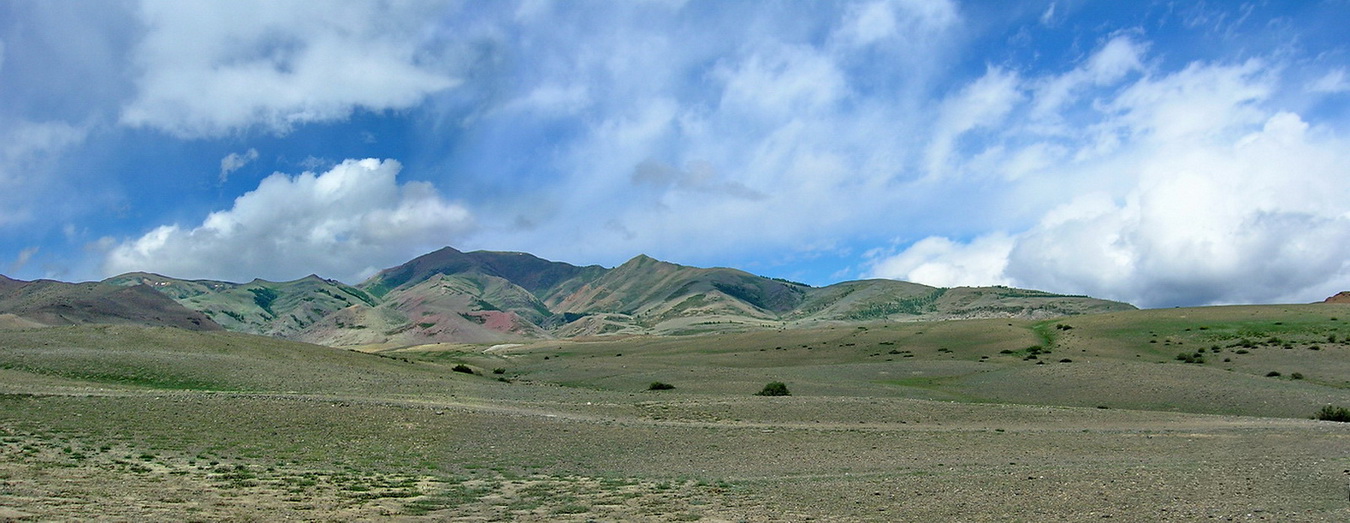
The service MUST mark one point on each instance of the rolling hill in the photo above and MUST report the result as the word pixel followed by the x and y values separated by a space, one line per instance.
pixel 281 309
pixel 491 297
pixel 51 303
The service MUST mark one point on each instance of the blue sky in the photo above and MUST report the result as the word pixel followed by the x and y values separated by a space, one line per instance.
pixel 1161 153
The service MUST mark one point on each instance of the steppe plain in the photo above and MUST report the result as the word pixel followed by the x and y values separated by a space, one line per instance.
pixel 1079 418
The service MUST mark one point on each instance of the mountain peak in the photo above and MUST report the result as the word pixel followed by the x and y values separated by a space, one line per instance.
pixel 443 251
pixel 642 260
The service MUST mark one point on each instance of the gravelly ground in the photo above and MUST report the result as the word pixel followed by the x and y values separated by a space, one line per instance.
pixel 196 456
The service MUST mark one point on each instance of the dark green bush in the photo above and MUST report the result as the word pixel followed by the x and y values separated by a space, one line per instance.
pixel 656 385
pixel 1191 358
pixel 1331 413
pixel 774 388
pixel 462 368
pixel 499 370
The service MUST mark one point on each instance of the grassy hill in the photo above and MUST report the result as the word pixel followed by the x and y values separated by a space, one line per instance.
pixel 47 302
pixel 482 296
pixel 648 296
pixel 128 358
pixel 1254 360
pixel 283 309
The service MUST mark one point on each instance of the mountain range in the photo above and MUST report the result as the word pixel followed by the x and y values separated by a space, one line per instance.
pixel 47 302
pixel 490 297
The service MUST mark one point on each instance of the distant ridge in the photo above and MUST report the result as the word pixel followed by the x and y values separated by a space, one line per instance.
pixel 490 297
pixel 51 303
pixel 1340 297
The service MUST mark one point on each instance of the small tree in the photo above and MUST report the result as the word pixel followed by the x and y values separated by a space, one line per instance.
pixel 774 388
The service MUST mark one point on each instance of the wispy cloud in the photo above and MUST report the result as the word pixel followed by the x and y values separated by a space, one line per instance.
pixel 28 153
pixel 22 259
pixel 234 161
pixel 1335 81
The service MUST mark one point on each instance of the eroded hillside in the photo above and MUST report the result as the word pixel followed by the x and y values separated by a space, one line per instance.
pixel 484 297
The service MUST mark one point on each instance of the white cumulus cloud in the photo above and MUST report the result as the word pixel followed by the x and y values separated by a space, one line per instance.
pixel 341 223
pixel 942 262
pixel 209 68
pixel 1208 194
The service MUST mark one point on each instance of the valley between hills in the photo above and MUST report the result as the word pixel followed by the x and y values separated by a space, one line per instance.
pixel 492 386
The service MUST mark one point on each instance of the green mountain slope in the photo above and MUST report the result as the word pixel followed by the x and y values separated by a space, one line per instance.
pixel 491 297
pixel 282 309
pixel 655 290
pixel 537 276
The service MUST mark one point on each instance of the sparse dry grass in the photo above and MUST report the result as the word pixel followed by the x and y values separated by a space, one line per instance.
pixel 945 427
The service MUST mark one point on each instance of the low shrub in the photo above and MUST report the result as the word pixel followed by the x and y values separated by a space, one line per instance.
pixel 656 385
pixel 1332 413
pixel 1191 358
pixel 462 368
pixel 774 388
